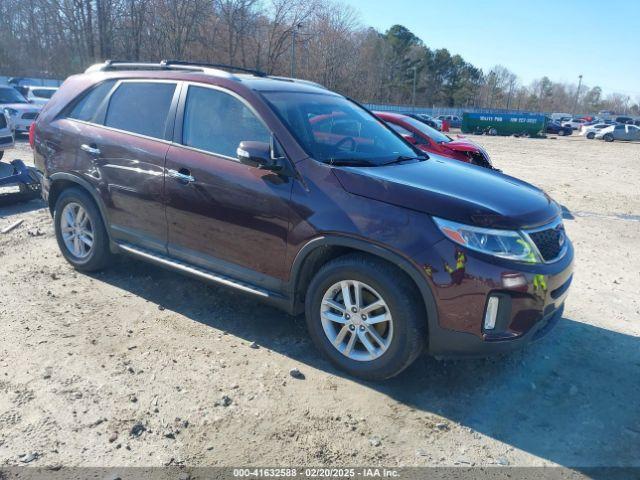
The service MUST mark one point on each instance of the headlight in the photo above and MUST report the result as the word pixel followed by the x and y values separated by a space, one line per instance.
pixel 508 244
pixel 12 112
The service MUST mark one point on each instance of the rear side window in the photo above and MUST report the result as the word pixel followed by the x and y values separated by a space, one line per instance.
pixel 89 105
pixel 43 93
pixel 217 122
pixel 141 107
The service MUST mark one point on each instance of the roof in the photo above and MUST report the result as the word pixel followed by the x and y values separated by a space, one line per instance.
pixel 253 79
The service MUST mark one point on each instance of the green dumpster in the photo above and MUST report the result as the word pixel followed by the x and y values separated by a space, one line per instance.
pixel 504 123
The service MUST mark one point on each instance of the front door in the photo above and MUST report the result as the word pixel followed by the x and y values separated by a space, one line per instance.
pixel 222 215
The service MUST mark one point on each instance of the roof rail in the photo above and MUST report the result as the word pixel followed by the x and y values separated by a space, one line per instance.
pixel 257 73
pixel 214 68
pixel 299 80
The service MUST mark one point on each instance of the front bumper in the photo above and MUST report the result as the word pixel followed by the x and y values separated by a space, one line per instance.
pixel 531 297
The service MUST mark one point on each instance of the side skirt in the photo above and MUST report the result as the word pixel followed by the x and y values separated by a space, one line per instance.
pixel 274 298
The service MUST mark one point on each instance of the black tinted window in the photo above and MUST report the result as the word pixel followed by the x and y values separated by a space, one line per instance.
pixel 141 108
pixel 87 108
pixel 217 122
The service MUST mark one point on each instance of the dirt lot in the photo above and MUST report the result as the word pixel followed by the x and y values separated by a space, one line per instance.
pixel 140 366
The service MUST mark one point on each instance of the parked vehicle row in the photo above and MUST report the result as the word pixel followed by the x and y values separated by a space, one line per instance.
pixel 295 194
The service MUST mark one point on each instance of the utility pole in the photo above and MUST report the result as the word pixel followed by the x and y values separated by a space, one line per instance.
pixel 413 97
pixel 575 101
pixel 294 32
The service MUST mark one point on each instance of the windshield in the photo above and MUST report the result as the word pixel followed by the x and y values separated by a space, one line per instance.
pixel 333 129
pixel 10 95
pixel 425 129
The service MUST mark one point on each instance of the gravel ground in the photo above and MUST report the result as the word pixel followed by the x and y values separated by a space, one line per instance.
pixel 140 366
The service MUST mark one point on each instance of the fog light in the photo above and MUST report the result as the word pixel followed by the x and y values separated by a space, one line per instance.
pixel 491 313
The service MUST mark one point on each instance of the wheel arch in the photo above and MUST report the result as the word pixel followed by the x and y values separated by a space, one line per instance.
pixel 61 181
pixel 319 251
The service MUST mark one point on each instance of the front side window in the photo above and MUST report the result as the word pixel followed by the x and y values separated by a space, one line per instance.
pixel 87 108
pixel 141 107
pixel 216 122
pixel 331 129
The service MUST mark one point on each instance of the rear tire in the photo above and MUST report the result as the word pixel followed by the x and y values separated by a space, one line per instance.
pixel 78 222
pixel 591 135
pixel 607 137
pixel 398 341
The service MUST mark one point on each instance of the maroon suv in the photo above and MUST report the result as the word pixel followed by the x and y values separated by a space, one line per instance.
pixel 295 194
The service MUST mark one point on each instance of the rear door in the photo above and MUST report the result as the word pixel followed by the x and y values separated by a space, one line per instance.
pixel 222 215
pixel 125 147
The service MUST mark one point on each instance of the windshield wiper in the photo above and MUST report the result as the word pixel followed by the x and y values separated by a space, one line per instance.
pixel 358 162
pixel 404 158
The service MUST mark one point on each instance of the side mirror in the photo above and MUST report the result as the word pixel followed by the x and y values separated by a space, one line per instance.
pixel 258 154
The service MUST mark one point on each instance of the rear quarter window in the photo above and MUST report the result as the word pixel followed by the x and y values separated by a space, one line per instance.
pixel 141 107
pixel 88 106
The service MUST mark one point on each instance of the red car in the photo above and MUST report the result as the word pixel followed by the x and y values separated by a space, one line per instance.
pixel 430 140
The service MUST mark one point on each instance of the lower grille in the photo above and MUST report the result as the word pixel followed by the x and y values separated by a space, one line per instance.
pixel 3 121
pixel 549 242
pixel 5 140
pixel 30 116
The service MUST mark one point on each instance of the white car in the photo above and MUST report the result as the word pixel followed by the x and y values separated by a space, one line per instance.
pixel 21 113
pixel 39 95
pixel 590 131
pixel 6 136
pixel 575 123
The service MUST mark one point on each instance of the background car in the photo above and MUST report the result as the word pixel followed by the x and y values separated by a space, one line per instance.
pixel 574 123
pixel 628 120
pixel 454 120
pixel 6 136
pixel 430 140
pixel 21 113
pixel 619 132
pixel 428 119
pixel 557 129
pixel 39 95
pixel 590 131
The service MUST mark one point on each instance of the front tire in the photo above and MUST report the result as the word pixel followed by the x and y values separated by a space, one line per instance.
pixel 80 231
pixel 608 137
pixel 365 316
pixel 591 135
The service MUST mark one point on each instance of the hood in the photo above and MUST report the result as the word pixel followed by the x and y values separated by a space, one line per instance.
pixel 22 107
pixel 453 190
pixel 462 145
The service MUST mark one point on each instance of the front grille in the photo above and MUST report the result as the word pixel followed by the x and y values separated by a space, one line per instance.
pixel 5 140
pixel 30 116
pixel 3 121
pixel 549 242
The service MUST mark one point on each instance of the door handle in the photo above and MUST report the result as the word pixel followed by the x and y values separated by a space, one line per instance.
pixel 183 175
pixel 91 149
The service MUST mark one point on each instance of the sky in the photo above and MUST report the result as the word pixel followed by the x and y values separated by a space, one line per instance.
pixel 599 39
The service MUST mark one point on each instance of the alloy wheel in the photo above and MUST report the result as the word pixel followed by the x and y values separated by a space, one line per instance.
pixel 77 230
pixel 356 320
